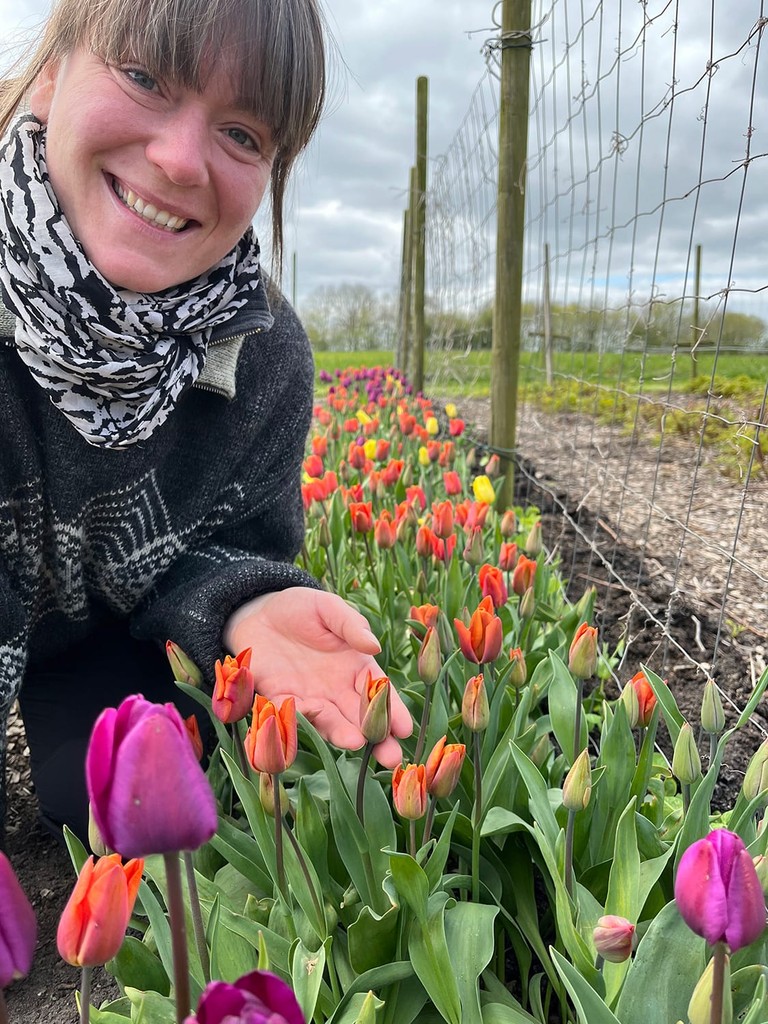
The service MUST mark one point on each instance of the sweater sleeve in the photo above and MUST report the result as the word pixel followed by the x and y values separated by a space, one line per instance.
pixel 253 551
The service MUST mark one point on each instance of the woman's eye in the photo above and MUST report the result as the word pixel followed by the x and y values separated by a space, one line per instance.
pixel 242 138
pixel 141 78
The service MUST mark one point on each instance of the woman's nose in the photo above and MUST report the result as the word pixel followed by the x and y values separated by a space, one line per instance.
pixel 180 148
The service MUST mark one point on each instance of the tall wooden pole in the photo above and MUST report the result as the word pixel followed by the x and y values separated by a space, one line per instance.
pixel 404 301
pixel 407 299
pixel 507 309
pixel 419 269
pixel 695 335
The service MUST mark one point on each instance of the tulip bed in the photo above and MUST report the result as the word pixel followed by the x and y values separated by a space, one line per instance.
pixel 535 859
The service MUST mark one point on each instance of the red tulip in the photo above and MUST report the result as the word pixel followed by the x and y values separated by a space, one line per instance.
pixel 481 642
pixel 272 739
pixel 442 518
pixel 194 736
pixel 361 514
pixel 452 482
pixel 384 533
pixel 523 576
pixel 646 698
pixel 492 584
pixel 508 555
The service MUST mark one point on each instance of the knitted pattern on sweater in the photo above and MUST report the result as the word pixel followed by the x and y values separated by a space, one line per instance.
pixel 177 531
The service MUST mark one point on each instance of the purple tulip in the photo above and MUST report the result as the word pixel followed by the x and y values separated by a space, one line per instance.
pixel 256 998
pixel 718 892
pixel 148 792
pixel 18 927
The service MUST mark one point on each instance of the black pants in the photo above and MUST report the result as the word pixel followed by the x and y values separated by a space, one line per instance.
pixel 62 698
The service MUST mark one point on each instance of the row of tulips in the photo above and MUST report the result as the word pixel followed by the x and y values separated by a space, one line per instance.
pixel 535 857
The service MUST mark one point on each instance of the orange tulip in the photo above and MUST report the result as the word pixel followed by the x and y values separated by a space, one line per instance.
pixel 442 518
pixel 475 711
pixel 384 533
pixel 409 790
pixel 233 691
pixel 426 614
pixel 375 701
pixel 519 671
pixel 272 739
pixel 92 925
pixel 523 576
pixel 481 642
pixel 491 580
pixel 443 767
pixel 508 555
pixel 646 698
pixel 313 465
pixel 452 482
pixel 582 655
pixel 194 736
pixel 361 515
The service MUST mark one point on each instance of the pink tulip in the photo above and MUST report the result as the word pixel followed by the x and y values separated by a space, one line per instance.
pixel 718 892
pixel 18 927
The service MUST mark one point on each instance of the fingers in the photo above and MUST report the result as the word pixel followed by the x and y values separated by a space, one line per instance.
pixel 331 724
pixel 347 623
pixel 388 753
pixel 400 718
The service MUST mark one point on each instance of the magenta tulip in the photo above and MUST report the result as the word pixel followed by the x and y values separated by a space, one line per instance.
pixel 718 892
pixel 256 998
pixel 18 927
pixel 148 792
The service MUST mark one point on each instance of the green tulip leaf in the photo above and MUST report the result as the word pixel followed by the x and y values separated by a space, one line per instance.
pixel 378 978
pixel 372 940
pixel 77 852
pixel 111 1016
pixel 411 883
pixel 138 967
pixel 672 714
pixel 437 859
pixel 307 969
pixel 589 1005
pixel 562 709
pixel 748 989
pixel 231 953
pixel 431 960
pixel 151 1008
pixel 617 753
pixel 538 797
pixel 259 936
pixel 470 939
pixel 243 852
pixel 669 961
pixel 754 700
pixel 501 1013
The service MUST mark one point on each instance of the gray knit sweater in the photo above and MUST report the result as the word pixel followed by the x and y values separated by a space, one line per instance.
pixel 175 532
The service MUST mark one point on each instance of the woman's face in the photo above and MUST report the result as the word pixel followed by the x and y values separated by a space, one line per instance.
pixel 158 182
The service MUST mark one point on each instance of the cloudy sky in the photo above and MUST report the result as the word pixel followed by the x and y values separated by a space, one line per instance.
pixel 614 220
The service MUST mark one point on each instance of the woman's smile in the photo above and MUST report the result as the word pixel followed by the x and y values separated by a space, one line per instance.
pixel 147 211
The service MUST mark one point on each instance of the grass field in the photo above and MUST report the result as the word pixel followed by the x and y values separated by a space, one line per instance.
pixel 468 374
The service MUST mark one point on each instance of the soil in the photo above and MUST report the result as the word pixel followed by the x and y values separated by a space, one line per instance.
pixel 42 862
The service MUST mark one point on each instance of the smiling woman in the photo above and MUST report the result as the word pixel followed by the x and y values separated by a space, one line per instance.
pixel 149 474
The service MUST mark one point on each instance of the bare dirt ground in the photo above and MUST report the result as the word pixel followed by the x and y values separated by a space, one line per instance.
pixel 673 562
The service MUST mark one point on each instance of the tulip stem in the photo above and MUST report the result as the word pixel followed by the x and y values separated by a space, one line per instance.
pixel 412 837
pixel 569 852
pixel 430 819
pixel 329 563
pixel 718 978
pixel 686 790
pixel 304 870
pixel 178 936
pixel 197 914
pixel 360 803
pixel 577 722
pixel 237 740
pixel 423 726
pixel 279 837
pixel 477 819
pixel 85 996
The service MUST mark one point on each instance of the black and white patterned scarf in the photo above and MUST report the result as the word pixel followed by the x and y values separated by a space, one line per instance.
pixel 113 361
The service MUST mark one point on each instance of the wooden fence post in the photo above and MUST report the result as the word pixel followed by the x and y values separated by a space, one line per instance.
pixel 406 290
pixel 419 217
pixel 507 309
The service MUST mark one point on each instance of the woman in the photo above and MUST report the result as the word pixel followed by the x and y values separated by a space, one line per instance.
pixel 156 402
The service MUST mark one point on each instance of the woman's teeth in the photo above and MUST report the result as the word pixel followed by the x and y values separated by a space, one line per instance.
pixel 147 211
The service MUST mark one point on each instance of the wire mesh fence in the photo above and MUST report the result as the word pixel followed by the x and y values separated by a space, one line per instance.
pixel 645 342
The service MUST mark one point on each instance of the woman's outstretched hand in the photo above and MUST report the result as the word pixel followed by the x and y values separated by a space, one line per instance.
pixel 313 646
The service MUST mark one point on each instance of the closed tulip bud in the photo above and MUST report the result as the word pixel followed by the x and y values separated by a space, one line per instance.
pixel 761 868
pixel 324 533
pixel 508 525
pixel 524 575
pixel 533 543
pixel 375 703
pixel 613 938
pixel 92 925
pixel 475 712
pixel 421 582
pixel 527 605
pixel 194 736
pixel 631 704
pixel 138 765
pixel 384 532
pixel 367 1013
pixel 756 777
pixel 361 516
pixel 646 698
pixel 585 607
pixel 95 840
pixel 183 668
pixel 18 927
pixel 541 751
pixel 577 787
pixel 233 690
pixel 717 890
pixel 483 490
pixel 426 615
pixel 493 466
pixel 442 518
pixel 474 553
pixel 700 1006
pixel 430 658
pixel 424 542
pixel 443 767
pixel 712 713
pixel 267 795
pixel 582 656
pixel 686 763
pixel 519 671
pixel 409 791
pixel 272 738
pixel 508 556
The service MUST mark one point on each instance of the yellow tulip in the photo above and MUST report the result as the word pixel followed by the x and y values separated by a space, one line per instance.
pixel 483 490
pixel 423 456
pixel 433 427
pixel 370 448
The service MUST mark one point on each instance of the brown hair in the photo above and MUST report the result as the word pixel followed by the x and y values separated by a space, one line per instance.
pixel 277 45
